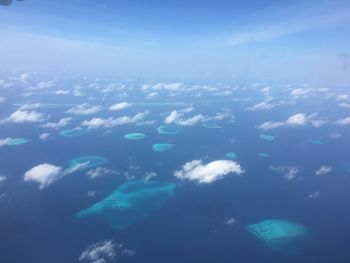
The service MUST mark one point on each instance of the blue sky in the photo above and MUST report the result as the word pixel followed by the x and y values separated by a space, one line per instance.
pixel 260 39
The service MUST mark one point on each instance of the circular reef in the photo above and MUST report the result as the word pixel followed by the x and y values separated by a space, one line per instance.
pixel 73 132
pixel 169 129
pixel 134 136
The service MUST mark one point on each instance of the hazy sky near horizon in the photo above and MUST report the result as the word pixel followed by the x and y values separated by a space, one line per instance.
pixel 294 41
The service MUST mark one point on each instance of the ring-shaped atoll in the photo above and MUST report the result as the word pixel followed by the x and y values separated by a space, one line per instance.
pixel 134 136
pixel 169 129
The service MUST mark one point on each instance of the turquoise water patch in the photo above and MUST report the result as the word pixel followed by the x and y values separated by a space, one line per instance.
pixel 267 137
pixel 131 202
pixel 312 141
pixel 134 136
pixel 86 162
pixel 73 132
pixel 280 235
pixel 211 125
pixel 169 129
pixel 17 141
pixel 231 155
pixel 264 155
pixel 162 147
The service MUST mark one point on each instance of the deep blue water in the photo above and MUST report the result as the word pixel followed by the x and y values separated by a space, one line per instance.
pixel 39 225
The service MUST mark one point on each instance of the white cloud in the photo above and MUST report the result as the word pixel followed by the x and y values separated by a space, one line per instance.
pixel 177 117
pixel 262 106
pixel 334 135
pixel 104 251
pixel 342 97
pixel 20 116
pixel 324 169
pixel 119 106
pixel 299 119
pixel 5 141
pixel 344 105
pixel 99 171
pixel 30 106
pixel 231 221
pixel 62 92
pixel 84 109
pixel 2 178
pixel 100 252
pixel 174 115
pixel 300 92
pixel 44 174
pixel 289 172
pixel 112 122
pixel 345 121
pixel 315 195
pixel 42 85
pixel 207 173
pixel 44 136
pixel 150 175
pixel 57 125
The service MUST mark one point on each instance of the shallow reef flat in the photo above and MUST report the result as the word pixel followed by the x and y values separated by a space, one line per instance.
pixel 131 202
pixel 267 137
pixel 17 141
pixel 231 155
pixel 280 235
pixel 264 155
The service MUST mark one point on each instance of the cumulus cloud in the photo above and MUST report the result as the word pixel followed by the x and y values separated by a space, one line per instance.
pixel 84 109
pixel 2 178
pixel 119 106
pixel 192 120
pixel 112 122
pixel 42 85
pixel 57 125
pixel 344 105
pixel 315 195
pixel 99 171
pixel 20 116
pixel 175 86
pixel 264 105
pixel 345 121
pixel 44 136
pixel 299 119
pixel 177 117
pixel 104 251
pixel 5 141
pixel 44 174
pixel 289 172
pixel 324 169
pixel 62 92
pixel 300 92
pixel 207 173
